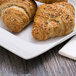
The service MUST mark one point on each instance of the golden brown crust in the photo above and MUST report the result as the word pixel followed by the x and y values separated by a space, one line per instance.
pixel 29 7
pixel 15 19
pixel 52 20
pixel 51 1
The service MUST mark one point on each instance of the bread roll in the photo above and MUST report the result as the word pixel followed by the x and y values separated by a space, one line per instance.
pixel 17 14
pixel 51 1
pixel 52 20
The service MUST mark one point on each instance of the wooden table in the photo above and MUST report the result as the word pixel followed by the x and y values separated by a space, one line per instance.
pixel 48 64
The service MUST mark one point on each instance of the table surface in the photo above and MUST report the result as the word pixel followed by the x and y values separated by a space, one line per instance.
pixel 48 64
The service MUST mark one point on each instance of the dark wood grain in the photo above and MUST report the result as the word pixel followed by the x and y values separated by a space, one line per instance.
pixel 48 64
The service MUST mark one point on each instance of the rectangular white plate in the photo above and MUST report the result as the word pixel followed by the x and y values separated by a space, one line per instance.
pixel 24 45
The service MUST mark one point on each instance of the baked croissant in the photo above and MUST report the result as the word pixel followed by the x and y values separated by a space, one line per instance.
pixel 51 1
pixel 17 14
pixel 52 20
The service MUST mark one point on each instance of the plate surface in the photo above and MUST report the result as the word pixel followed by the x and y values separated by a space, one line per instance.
pixel 24 45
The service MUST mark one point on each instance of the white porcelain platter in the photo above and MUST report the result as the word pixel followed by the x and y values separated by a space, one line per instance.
pixel 24 45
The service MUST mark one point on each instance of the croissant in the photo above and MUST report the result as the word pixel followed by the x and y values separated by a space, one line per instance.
pixel 52 20
pixel 51 1
pixel 17 14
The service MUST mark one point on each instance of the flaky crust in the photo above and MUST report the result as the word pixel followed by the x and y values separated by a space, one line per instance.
pixel 52 20
pixel 51 1
pixel 20 19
